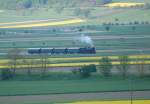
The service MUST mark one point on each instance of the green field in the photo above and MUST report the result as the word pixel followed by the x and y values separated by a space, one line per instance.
pixel 72 86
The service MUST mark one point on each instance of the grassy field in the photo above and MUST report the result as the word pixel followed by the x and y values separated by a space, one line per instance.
pixel 71 86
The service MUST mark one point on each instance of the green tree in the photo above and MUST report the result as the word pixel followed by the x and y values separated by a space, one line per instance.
pixel 105 66
pixel 123 66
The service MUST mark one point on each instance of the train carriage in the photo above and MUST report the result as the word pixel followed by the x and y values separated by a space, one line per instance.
pixel 85 50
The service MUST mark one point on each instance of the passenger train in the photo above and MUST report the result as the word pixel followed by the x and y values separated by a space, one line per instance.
pixel 85 50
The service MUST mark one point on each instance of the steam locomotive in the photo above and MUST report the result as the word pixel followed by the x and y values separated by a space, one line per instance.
pixel 85 50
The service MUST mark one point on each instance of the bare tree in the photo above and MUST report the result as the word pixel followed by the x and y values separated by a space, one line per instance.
pixel 105 66
pixel 14 55
pixel 43 62
pixel 141 67
pixel 28 66
pixel 123 66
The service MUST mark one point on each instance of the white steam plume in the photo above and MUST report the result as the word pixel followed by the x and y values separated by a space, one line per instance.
pixel 86 39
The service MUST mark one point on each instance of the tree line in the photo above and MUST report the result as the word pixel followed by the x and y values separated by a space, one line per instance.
pixel 104 67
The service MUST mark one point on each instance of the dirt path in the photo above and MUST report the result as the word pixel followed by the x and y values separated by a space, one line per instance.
pixel 73 97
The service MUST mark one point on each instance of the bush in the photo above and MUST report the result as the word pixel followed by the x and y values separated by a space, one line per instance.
pixel 107 28
pixel 136 22
pixel 6 74
pixel 133 28
pixel 146 22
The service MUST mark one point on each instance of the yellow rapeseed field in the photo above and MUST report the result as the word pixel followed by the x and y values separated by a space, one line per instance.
pixel 72 64
pixel 138 57
pixel 124 4
pixel 113 102
pixel 49 23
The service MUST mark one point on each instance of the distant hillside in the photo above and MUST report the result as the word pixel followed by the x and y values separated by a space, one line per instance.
pixel 64 9
pixel 15 4
pixel 21 4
